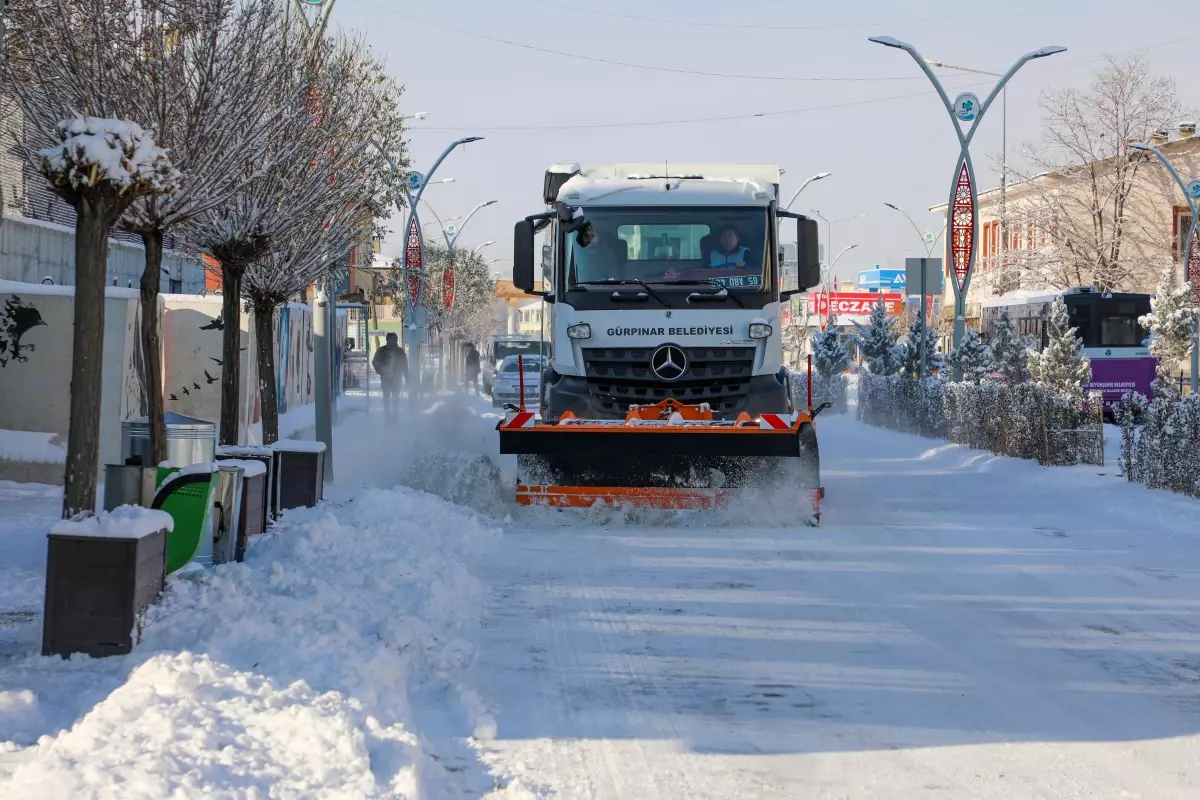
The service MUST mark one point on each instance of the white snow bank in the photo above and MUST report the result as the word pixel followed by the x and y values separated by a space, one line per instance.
pixel 123 522
pixel 250 467
pixel 54 290
pixel 290 675
pixel 39 447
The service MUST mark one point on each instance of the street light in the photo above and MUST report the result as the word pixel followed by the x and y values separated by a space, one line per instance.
pixel 962 213
pixel 928 245
pixel 477 248
pixel 418 115
pixel 829 226
pixel 1193 206
pixel 804 185
pixel 1003 152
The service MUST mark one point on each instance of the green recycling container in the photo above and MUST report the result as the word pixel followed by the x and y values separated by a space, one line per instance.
pixel 187 495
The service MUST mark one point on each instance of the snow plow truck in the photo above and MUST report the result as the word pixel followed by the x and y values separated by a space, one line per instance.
pixel 666 387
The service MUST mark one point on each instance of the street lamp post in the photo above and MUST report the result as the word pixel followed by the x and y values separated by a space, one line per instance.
pixel 1191 193
pixel 928 245
pixel 414 246
pixel 804 186
pixel 477 248
pixel 829 227
pixel 1003 154
pixel 962 214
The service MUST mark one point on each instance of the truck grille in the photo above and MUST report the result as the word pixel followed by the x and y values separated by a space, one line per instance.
pixel 719 376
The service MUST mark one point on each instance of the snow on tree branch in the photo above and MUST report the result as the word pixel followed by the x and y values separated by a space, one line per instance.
pixel 95 151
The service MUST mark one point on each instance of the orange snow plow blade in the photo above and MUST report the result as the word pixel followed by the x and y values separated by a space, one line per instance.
pixel 668 455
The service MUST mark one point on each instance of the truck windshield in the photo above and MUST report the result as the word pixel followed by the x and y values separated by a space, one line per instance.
pixel 724 247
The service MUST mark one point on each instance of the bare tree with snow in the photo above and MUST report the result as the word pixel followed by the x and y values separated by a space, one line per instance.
pixel 1081 196
pixel 204 83
pixel 69 60
pixel 348 107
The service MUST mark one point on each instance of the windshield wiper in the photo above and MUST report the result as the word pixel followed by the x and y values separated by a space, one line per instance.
pixel 723 294
pixel 625 282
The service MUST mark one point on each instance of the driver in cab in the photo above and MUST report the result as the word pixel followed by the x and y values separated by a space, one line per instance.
pixel 730 252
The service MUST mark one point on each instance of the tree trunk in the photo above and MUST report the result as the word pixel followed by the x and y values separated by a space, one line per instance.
pixel 151 347
pixel 231 319
pixel 264 333
pixel 92 225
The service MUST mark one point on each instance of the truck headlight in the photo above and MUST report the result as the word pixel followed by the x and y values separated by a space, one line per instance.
pixel 759 330
pixel 580 331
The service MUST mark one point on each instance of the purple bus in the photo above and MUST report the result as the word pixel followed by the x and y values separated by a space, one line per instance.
pixel 1106 323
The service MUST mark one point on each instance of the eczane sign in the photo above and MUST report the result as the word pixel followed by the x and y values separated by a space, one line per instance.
pixel 851 307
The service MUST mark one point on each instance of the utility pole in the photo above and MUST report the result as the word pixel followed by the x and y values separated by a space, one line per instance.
pixel 314 15
pixel 962 212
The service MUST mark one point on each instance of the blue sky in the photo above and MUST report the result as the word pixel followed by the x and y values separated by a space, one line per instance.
pixel 880 142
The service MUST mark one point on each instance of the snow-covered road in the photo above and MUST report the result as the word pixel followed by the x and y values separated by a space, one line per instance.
pixel 960 626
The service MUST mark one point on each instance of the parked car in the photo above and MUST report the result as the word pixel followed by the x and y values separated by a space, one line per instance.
pixel 507 385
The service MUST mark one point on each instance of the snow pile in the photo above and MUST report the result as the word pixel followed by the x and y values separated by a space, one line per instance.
pixel 96 151
pixel 38 447
pixel 123 522
pixel 289 675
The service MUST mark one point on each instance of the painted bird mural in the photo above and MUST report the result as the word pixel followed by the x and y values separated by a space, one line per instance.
pixel 195 386
pixel 16 320
pixel 209 379
pixel 174 397
pixel 218 361
pixel 217 324
pixel 185 391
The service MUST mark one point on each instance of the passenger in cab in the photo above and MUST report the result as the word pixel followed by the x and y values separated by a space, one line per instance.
pixel 730 252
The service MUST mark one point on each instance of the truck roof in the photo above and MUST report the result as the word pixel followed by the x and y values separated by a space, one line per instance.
pixel 585 191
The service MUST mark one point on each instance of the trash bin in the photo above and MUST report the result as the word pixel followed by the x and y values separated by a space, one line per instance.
pixel 252 519
pixel 227 512
pixel 128 485
pixel 265 455
pixel 299 474
pixel 187 495
pixel 189 440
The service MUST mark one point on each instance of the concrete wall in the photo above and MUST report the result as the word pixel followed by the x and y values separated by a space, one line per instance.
pixel 192 362
pixel 32 250
pixel 36 328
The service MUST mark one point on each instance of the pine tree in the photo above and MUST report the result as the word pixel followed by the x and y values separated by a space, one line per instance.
pixel 973 357
pixel 1061 366
pixel 1172 315
pixel 1010 352
pixel 830 356
pixel 934 361
pixel 877 340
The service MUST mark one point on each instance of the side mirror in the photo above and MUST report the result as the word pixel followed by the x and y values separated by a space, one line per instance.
pixel 523 271
pixel 808 253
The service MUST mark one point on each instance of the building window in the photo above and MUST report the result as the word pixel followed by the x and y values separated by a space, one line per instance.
pixel 1183 224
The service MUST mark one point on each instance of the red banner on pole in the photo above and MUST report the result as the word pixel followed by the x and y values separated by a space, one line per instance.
pixel 448 286
pixel 962 230
pixel 1191 270
pixel 412 263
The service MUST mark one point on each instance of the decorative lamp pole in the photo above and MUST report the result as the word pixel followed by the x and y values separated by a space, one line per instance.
pixel 1191 250
pixel 962 214
pixel 804 186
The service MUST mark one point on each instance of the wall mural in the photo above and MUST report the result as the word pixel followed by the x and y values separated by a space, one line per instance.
pixel 16 319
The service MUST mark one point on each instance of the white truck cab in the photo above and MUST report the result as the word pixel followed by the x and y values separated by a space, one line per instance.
pixel 664 282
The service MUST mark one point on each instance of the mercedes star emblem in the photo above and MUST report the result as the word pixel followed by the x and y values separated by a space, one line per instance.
pixel 668 362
